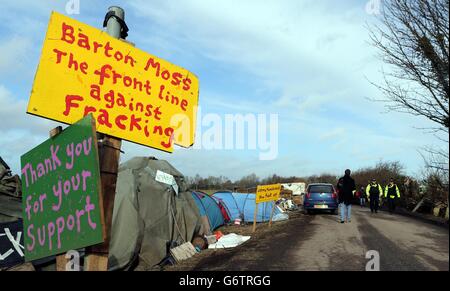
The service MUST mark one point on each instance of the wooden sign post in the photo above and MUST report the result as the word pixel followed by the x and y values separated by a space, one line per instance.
pixel 266 193
pixel 271 213
pixel 132 95
pixel 109 151
pixel 254 216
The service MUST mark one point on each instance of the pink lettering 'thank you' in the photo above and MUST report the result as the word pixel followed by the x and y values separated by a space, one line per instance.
pixel 32 174
pixel 75 150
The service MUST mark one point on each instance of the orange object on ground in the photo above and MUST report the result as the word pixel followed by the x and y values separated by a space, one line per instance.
pixel 218 234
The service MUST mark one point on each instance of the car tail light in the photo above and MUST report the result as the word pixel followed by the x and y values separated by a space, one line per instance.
pixel 308 195
pixel 334 195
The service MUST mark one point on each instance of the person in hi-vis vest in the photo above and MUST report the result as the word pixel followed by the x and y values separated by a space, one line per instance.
pixel 374 192
pixel 391 193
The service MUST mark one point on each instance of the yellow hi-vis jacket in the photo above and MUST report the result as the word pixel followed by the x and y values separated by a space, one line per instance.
pixel 386 191
pixel 380 189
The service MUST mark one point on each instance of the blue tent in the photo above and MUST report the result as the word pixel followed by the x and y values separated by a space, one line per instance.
pixel 208 206
pixel 242 205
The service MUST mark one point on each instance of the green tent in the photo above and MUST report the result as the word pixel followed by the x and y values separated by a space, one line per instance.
pixel 149 216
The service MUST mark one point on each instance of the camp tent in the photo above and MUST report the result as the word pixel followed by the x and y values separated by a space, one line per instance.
pixel 242 206
pixel 226 199
pixel 149 216
pixel 208 207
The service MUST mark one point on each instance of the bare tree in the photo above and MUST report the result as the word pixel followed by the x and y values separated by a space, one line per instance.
pixel 436 159
pixel 248 181
pixel 413 37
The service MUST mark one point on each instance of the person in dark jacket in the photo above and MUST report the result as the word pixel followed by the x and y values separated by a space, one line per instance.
pixel 374 192
pixel 346 187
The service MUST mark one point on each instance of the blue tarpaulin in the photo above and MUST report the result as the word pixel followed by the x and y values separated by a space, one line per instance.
pixel 242 205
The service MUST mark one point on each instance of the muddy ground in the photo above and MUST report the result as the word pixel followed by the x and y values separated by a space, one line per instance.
pixel 262 252
pixel 320 242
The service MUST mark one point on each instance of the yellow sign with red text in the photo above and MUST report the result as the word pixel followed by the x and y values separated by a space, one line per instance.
pixel 266 193
pixel 132 95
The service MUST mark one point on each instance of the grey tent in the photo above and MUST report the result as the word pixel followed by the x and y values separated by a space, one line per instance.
pixel 149 217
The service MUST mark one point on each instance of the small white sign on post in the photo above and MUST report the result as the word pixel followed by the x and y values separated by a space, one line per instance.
pixel 164 178
pixel 167 179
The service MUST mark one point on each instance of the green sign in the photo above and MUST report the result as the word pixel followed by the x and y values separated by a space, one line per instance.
pixel 60 199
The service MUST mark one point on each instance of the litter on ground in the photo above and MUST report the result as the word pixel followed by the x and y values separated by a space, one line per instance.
pixel 229 241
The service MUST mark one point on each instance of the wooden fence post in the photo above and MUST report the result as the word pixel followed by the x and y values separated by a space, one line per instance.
pixel 109 155
pixel 254 216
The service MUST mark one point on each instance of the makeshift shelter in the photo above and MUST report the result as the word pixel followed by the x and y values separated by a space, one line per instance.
pixel 10 194
pixel 208 207
pixel 242 206
pixel 150 217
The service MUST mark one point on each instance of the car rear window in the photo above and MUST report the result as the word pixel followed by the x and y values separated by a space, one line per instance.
pixel 320 189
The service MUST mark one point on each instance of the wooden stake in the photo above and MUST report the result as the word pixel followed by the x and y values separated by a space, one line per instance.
pixel 61 262
pixel 254 216
pixel 96 262
pixel 109 154
pixel 55 131
pixel 271 214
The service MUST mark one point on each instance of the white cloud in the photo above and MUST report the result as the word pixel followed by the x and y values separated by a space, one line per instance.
pixel 295 46
pixel 333 134
pixel 14 117
pixel 14 53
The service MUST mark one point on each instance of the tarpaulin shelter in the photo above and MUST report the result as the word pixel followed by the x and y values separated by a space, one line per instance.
pixel 10 194
pixel 208 207
pixel 242 206
pixel 149 216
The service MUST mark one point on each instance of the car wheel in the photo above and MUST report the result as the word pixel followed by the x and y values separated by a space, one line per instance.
pixel 334 211
pixel 309 211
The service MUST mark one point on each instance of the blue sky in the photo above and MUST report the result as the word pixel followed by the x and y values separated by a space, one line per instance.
pixel 307 61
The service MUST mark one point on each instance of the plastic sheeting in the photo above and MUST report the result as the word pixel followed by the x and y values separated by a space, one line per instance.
pixel 280 217
pixel 242 206
pixel 229 241
pixel 148 215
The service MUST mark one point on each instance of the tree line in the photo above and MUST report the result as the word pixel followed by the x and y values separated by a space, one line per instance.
pixel 431 185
